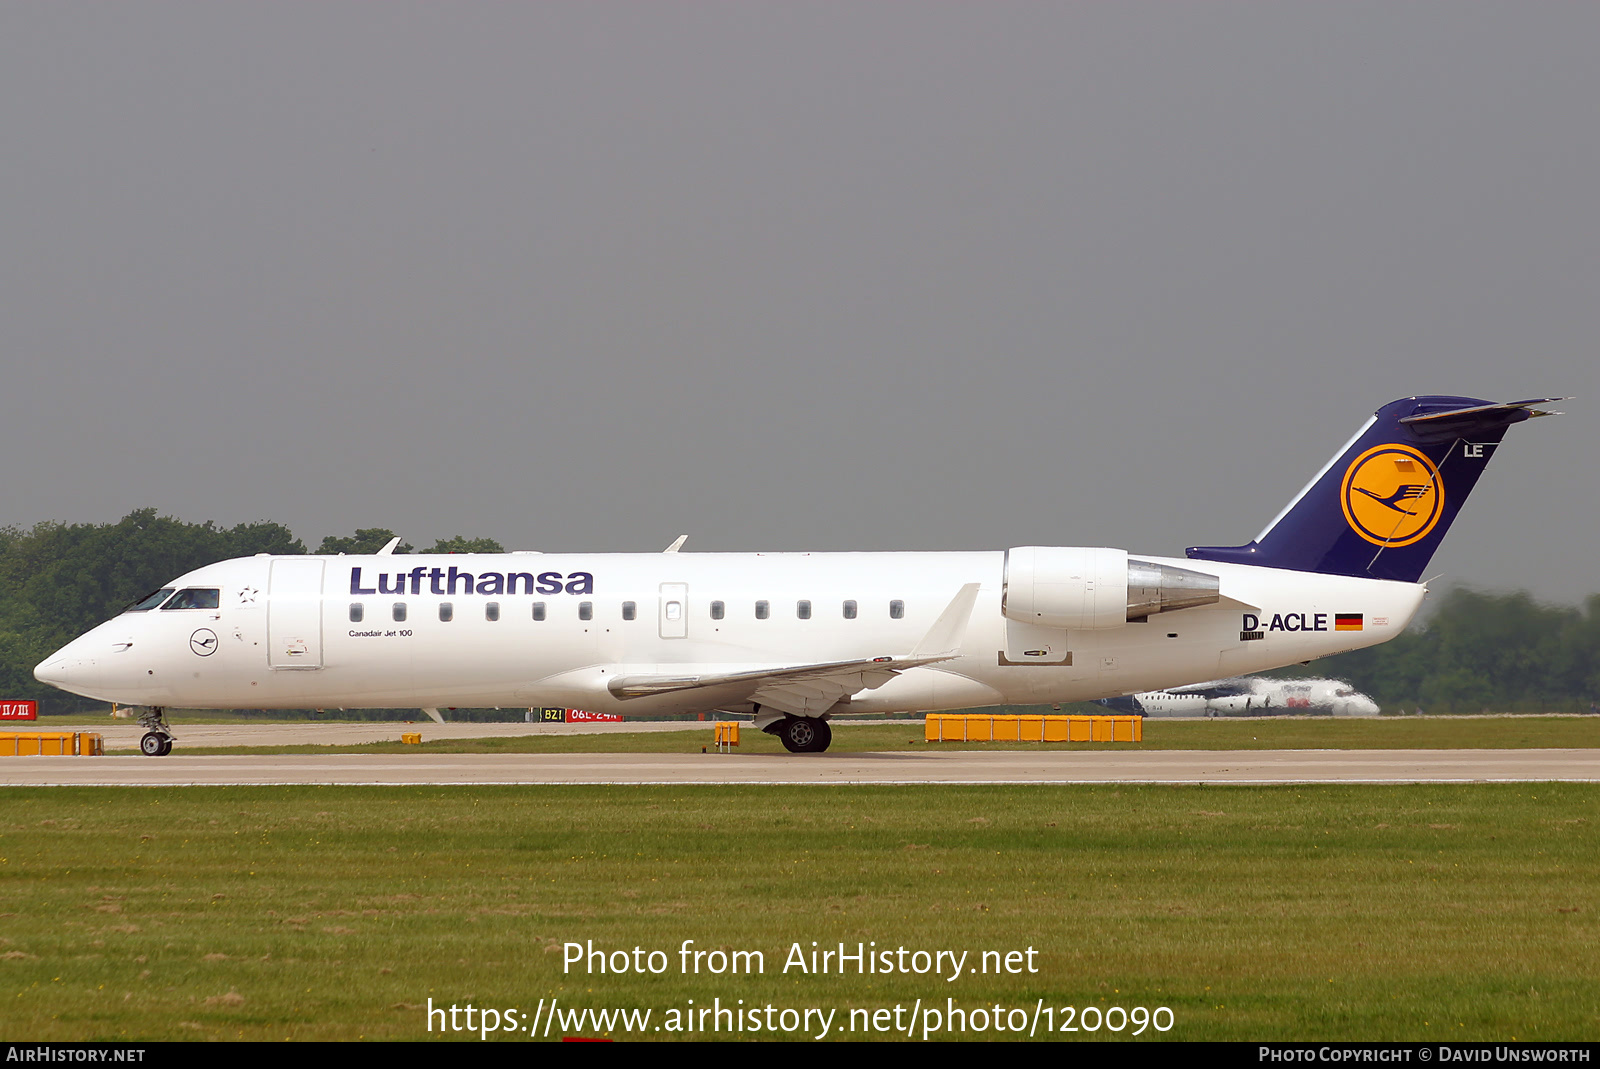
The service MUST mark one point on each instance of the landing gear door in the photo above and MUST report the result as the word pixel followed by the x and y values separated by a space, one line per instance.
pixel 674 610
pixel 294 614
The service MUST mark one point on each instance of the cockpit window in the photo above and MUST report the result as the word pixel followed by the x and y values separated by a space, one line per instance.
pixel 195 597
pixel 149 601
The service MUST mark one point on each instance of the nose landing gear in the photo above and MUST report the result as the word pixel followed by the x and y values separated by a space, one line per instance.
pixel 158 736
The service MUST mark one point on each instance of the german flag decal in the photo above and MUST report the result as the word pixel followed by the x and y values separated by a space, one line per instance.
pixel 1349 621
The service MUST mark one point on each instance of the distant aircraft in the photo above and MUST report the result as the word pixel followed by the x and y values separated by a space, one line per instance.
pixel 1252 696
pixel 792 639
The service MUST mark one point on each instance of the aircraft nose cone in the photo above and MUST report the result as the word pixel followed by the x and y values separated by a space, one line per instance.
pixel 57 670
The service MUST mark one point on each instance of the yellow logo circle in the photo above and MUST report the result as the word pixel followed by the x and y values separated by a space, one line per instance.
pixel 1392 495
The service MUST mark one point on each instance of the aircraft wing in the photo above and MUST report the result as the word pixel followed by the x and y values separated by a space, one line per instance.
pixel 1216 688
pixel 797 689
pixel 811 689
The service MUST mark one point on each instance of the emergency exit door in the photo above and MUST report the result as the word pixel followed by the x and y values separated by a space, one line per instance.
pixel 674 610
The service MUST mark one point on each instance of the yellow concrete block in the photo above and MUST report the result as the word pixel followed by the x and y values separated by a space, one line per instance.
pixel 91 744
pixel 1005 728
pixel 411 738
pixel 1030 728
pixel 726 733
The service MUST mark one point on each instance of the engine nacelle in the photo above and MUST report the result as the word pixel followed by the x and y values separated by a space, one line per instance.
pixel 1066 587
pixel 1074 588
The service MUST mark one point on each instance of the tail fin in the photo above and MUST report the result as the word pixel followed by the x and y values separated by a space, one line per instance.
pixel 1381 506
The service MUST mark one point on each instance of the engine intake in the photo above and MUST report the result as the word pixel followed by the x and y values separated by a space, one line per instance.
pixel 1090 589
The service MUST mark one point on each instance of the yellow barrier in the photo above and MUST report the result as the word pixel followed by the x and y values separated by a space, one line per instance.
pixel 51 744
pixel 992 727
pixel 726 734
pixel 411 738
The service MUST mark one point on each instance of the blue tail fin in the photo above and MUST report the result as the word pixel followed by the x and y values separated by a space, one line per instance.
pixel 1382 505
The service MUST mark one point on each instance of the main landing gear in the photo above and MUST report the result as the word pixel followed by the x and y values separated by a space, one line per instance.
pixel 157 741
pixel 803 734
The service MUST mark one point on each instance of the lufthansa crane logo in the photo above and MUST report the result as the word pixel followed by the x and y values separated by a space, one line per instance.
pixel 203 642
pixel 1392 495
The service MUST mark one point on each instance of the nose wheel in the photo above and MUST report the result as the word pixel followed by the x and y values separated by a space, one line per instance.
pixel 157 740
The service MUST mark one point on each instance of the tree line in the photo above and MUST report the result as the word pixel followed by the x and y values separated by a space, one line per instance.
pixel 59 580
pixel 1483 652
pixel 1475 652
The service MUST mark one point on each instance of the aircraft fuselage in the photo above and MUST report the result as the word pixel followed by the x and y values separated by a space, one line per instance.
pixel 510 630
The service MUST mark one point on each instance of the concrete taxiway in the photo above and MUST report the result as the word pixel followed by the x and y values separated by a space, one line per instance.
pixel 125 734
pixel 901 767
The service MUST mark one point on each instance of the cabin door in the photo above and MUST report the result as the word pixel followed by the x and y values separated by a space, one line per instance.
pixel 294 614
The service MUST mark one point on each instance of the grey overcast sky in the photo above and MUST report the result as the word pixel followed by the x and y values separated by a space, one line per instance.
pixel 793 275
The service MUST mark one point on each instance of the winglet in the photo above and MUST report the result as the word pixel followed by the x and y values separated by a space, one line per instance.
pixel 677 544
pixel 388 547
pixel 434 713
pixel 944 637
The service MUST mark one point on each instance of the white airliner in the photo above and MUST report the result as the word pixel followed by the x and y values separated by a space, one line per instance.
pixel 1253 696
pixel 795 638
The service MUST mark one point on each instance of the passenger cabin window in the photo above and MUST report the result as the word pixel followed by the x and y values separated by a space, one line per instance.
pixel 849 610
pixel 761 610
pixel 150 601
pixel 538 610
pixel 586 610
pixel 447 612
pixel 897 610
pixel 195 597
pixel 629 610
pixel 802 609
pixel 717 609
pixel 491 611
pixel 356 612
pixel 400 611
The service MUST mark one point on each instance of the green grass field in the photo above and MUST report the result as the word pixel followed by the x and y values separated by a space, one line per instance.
pixel 1311 913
